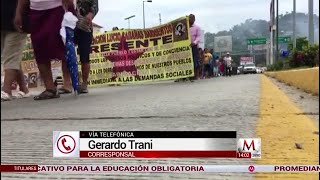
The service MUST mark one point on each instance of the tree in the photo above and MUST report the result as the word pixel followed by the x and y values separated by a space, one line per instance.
pixel 300 44
pixel 260 28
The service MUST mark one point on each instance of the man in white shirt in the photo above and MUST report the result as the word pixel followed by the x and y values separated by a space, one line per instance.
pixel 228 62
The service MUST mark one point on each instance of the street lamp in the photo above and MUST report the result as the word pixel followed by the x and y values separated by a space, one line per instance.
pixel 128 19
pixel 144 20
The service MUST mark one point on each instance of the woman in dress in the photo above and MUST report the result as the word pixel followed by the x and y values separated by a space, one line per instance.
pixel 45 23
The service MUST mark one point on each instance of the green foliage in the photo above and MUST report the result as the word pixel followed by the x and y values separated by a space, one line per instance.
pixel 301 43
pixel 310 53
pixel 276 66
pixel 304 55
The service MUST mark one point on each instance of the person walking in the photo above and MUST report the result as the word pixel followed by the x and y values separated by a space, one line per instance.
pixel 211 63
pixel 228 62
pixel 45 18
pixel 13 40
pixel 221 67
pixel 85 10
pixel 216 67
pixel 207 58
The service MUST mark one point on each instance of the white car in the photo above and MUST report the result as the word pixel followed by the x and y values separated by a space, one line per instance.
pixel 259 71
pixel 264 69
pixel 249 68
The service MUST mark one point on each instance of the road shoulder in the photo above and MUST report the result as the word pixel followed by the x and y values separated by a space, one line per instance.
pixel 282 125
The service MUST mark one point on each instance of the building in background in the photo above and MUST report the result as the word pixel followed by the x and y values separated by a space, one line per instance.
pixel 96 28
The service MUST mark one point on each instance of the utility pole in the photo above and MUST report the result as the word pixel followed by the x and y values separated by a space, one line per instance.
pixel 160 18
pixel 294 25
pixel 272 32
pixel 311 26
pixel 144 18
pixel 277 32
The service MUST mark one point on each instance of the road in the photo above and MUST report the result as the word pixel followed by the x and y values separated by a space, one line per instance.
pixel 224 103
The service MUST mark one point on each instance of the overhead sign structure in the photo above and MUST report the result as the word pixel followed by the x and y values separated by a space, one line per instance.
pixel 284 40
pixel 257 41
pixel 262 41
pixel 223 43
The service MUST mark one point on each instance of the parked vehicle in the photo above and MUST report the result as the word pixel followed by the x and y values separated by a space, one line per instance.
pixel 259 70
pixel 249 68
pixel 264 69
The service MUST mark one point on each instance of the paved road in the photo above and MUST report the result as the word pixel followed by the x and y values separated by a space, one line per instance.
pixel 214 104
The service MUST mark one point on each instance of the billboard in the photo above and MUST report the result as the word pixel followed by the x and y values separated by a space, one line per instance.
pixel 246 60
pixel 222 43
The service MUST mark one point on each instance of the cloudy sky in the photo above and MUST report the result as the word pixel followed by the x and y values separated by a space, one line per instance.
pixel 211 15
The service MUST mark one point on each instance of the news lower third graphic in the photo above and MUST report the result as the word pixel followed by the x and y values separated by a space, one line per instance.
pixel 66 144
pixel 154 144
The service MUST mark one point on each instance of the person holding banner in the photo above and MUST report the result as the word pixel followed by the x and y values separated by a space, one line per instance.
pixel 13 39
pixel 195 32
pixel 85 10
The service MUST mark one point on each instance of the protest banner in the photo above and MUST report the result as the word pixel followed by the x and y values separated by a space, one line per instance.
pixel 30 68
pixel 131 56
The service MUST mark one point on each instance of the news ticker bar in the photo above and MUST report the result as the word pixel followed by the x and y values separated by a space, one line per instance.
pixel 145 144
pixel 154 144
pixel 161 168
pixel 158 134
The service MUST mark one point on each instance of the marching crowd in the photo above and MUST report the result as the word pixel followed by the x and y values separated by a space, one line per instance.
pixel 42 19
pixel 206 64
pixel 211 65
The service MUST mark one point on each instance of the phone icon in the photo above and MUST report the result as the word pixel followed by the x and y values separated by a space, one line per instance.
pixel 63 141
pixel 66 144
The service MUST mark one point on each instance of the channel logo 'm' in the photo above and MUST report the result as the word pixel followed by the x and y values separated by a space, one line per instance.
pixel 249 146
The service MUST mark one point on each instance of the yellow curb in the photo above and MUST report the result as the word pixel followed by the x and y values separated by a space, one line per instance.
pixel 305 79
pixel 280 126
